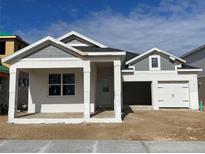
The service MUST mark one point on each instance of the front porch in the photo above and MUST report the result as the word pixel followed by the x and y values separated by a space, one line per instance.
pixel 83 106
pixel 64 118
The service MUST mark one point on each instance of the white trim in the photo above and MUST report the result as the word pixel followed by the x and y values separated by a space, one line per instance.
pixel 105 53
pixel 83 37
pixel 158 63
pixel 127 71
pixel 48 38
pixel 52 59
pixel 155 72
pixel 132 69
pixel 151 50
pixel 189 70
pixel 76 45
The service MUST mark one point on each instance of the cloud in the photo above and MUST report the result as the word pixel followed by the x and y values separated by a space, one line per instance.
pixel 173 26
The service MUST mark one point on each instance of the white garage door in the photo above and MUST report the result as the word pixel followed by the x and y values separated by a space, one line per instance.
pixel 173 94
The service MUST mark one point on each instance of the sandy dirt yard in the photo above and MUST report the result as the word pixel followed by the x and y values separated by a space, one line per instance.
pixel 139 125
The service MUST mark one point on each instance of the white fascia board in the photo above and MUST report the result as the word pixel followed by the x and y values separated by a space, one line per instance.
pixel 151 50
pixel 83 37
pixel 106 53
pixel 48 38
pixel 78 45
pixel 189 70
pixel 127 71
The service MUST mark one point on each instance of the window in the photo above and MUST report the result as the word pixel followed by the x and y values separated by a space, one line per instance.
pixel 68 84
pixel 61 84
pixel 54 84
pixel 2 48
pixel 154 62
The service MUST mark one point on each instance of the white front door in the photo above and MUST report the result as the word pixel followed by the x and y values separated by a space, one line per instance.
pixel 173 94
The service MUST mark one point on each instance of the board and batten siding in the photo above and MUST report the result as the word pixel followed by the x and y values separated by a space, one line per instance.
pixel 143 65
pixel 49 52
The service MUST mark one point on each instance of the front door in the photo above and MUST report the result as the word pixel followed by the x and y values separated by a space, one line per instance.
pixel 105 88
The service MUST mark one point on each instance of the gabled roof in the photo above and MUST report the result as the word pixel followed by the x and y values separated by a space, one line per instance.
pixel 39 43
pixel 82 37
pixel 88 51
pixel 155 50
pixel 193 51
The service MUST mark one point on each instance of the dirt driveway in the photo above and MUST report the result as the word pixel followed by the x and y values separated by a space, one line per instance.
pixel 140 125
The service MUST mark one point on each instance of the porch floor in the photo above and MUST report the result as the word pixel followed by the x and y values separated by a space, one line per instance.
pixel 100 114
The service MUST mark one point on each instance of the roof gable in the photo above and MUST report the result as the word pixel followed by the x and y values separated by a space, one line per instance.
pixel 152 51
pixel 38 45
pixel 49 51
pixel 77 36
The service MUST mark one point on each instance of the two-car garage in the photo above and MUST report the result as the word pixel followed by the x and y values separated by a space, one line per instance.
pixel 167 94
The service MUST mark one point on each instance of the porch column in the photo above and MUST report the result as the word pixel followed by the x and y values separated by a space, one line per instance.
pixel 13 93
pixel 86 72
pixel 117 89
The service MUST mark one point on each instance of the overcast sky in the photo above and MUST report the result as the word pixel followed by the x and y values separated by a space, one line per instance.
pixel 176 26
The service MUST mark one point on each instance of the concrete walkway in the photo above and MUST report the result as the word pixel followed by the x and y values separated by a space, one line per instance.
pixel 69 146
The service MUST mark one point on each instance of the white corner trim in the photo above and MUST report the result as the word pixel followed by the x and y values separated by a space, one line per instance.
pixel 48 38
pixel 151 50
pixel 83 37
pixel 150 63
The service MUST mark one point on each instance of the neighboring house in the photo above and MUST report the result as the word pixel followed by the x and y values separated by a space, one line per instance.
pixel 77 74
pixel 8 45
pixel 4 88
pixel 196 58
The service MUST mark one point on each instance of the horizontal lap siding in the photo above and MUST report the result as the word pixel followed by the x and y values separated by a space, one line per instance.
pixel 49 52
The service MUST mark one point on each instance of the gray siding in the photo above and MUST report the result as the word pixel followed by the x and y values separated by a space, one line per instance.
pixel 197 59
pixel 49 52
pixel 201 64
pixel 76 38
pixel 166 64
pixel 196 56
pixel 143 65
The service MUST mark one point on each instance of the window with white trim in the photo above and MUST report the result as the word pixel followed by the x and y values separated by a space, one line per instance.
pixel 154 62
pixel 61 84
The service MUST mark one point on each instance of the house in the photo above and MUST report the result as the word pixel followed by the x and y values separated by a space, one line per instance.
pixel 8 45
pixel 4 91
pixel 76 74
pixel 196 58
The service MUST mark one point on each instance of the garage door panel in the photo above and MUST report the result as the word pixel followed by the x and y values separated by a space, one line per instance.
pixel 173 95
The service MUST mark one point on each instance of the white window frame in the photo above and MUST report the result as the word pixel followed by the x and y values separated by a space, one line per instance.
pixel 61 85
pixel 150 63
